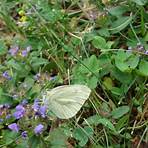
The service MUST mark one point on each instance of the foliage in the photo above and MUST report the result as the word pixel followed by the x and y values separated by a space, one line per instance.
pixel 101 44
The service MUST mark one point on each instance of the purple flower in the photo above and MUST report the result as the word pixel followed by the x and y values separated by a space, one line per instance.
pixel 6 106
pixel 53 78
pixel 13 50
pixel 24 101
pixel 140 47
pixel 20 111
pixel 37 76
pixel 24 53
pixel 42 111
pixel 38 129
pixel 24 134
pixel 146 52
pixel 1 120
pixel 6 75
pixel 8 116
pixel 36 105
pixel 14 127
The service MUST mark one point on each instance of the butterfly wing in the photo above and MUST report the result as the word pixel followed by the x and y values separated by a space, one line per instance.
pixel 65 101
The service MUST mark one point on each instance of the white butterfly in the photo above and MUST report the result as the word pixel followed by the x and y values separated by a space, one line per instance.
pixel 65 101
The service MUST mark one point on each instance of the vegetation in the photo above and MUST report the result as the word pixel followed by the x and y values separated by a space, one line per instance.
pixel 48 43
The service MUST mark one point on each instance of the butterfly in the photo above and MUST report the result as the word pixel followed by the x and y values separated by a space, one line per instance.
pixel 65 101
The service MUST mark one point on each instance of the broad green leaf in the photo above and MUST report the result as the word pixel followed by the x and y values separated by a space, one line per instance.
pixel 92 82
pixel 99 42
pixel 9 137
pixel 82 135
pixel 34 141
pixel 92 120
pixel 125 61
pixel 143 68
pixel 125 78
pixel 120 24
pixel 108 83
pixel 95 120
pixel 57 138
pixel 38 61
pixel 117 91
pixel 119 112
pixel 104 32
pixel 140 2
pixel 91 65
pixel 107 124
pixel 118 10
pixel 4 98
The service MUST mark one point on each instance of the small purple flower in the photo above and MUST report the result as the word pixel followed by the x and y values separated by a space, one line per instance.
pixel 24 134
pixel 24 53
pixel 36 105
pixel 37 76
pixel 8 116
pixel 13 50
pixel 6 75
pixel 42 111
pixel 1 120
pixel 140 47
pixel 53 78
pixel 20 111
pixel 146 52
pixel 20 108
pixel 14 127
pixel 38 129
pixel 24 101
pixel 6 106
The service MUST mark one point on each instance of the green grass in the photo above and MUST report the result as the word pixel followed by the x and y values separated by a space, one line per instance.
pixel 101 44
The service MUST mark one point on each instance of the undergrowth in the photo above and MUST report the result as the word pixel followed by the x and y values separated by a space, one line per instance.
pixel 101 44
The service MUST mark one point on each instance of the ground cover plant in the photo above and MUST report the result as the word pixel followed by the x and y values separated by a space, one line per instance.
pixel 96 51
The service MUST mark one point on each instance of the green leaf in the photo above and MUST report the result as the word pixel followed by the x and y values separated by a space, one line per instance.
pixel 117 91
pixel 83 134
pixel 119 112
pixel 38 61
pixel 99 42
pixel 126 61
pixel 34 141
pixel 143 68
pixel 96 119
pixel 92 120
pixel 91 64
pixel 104 32
pixel 4 99
pixel 3 48
pixel 125 78
pixel 120 24
pixel 92 82
pixel 57 138
pixel 140 2
pixel 118 10
pixel 9 137
pixel 108 83
pixel 122 122
pixel 107 124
